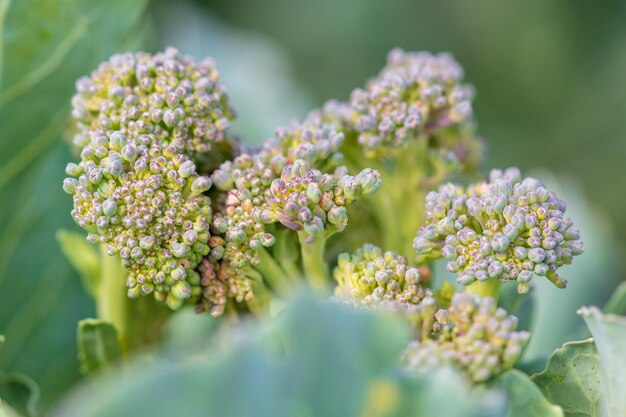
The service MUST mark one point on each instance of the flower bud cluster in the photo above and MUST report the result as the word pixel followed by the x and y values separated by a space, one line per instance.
pixel 473 334
pixel 371 277
pixel 144 202
pixel 305 200
pixel 506 229
pixel 294 180
pixel 165 96
pixel 312 140
pixel 416 92
pixel 219 284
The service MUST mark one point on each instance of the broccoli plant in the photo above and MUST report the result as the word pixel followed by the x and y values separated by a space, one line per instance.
pixel 359 202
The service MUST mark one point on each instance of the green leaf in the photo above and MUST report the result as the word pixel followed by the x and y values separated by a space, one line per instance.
pixel 83 257
pixel 617 302
pixel 98 345
pixel 571 379
pixel 313 359
pixel 609 334
pixel 524 397
pixel 45 45
pixel 20 392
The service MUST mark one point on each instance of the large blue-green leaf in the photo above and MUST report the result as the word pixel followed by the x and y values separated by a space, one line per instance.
pixel 572 379
pixel 525 399
pixel 45 45
pixel 313 359
pixel 609 334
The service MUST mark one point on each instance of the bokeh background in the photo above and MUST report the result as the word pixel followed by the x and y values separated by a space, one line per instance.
pixel 551 99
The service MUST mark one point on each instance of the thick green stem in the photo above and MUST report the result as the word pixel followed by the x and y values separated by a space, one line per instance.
pixel 488 288
pixel 112 302
pixel 313 263
pixel 272 273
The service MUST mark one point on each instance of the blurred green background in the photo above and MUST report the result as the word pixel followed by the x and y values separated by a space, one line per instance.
pixel 551 99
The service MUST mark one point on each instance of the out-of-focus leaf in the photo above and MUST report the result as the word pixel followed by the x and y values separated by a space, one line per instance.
pixel 45 46
pixel 445 392
pixel 83 257
pixel 7 411
pixel 185 331
pixel 20 392
pixel 313 359
pixel 98 345
pixel 572 379
pixel 617 302
pixel 525 399
pixel 609 334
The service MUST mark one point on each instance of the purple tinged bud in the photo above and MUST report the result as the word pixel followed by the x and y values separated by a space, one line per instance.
pixel 136 253
pixel 350 187
pixel 146 242
pixel 109 207
pixel 314 193
pixel 187 169
pixel 500 242
pixel 69 185
pixel 495 269
pixel 520 253
pixel 499 203
pixel 179 250
pixel 449 252
pixel 541 269
pixel 299 168
pixel 510 231
pixel 179 273
pixel 169 118
pixel 571 234
pixel 267 240
pixel 95 176
pixel 524 276
pixel 549 243
pixel 577 247
pixel 115 168
pixel 73 169
pixel 222 180
pixel 235 235
pixel 537 255
pixel 502 186
pixel 117 139
pixel 190 236
pixel 314 227
pixel 304 214
pixel 129 153
pixel 482 275
pixel 338 216
pixel 369 181
pixel 422 245
pixel 466 277
pixel 181 289
pixel 473 207
pixel 200 185
pixel 102 222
